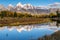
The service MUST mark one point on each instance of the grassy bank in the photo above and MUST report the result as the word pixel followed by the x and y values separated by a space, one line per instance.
pixel 9 21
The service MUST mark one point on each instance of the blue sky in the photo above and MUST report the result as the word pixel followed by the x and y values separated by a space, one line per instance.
pixel 33 2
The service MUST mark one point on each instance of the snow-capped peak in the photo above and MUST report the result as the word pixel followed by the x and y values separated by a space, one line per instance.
pixel 19 5
pixel 28 6
pixel 10 5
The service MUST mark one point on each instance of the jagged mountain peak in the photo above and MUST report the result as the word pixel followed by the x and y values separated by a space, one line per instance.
pixel 19 5
pixel 28 6
pixel 10 5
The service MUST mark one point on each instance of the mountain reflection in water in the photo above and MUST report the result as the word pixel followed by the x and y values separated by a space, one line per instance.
pixel 28 32
pixel 30 27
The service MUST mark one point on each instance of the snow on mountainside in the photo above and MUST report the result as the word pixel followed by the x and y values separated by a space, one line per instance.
pixel 19 6
pixel 28 6
pixel 10 7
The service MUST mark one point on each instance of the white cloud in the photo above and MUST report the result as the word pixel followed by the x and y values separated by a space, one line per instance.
pixel 56 4
pixel 53 5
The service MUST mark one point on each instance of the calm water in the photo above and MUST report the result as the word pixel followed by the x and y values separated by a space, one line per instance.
pixel 27 32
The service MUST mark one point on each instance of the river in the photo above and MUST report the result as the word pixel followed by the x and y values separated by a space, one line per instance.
pixel 27 32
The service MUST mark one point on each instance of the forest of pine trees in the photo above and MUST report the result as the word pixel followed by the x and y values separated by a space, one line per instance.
pixel 13 14
pixel 22 14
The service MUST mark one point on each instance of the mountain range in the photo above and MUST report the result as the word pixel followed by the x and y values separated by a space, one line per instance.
pixel 31 9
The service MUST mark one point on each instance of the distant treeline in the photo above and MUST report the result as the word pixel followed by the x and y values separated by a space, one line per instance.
pixel 15 14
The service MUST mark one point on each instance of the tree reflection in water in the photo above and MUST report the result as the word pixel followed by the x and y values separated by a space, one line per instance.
pixel 57 21
pixel 7 35
pixel 58 18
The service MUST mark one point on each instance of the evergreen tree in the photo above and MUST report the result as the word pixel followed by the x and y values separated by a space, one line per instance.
pixel 58 13
pixel 3 14
pixel 15 14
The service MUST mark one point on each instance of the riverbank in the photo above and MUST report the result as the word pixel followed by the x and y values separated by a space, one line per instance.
pixel 9 21
pixel 54 36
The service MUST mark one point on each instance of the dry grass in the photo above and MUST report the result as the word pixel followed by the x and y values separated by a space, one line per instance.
pixel 22 21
